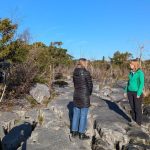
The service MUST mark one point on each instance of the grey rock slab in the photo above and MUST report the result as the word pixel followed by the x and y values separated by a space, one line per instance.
pixel 40 92
pixel 97 102
pixel 134 145
pixel 110 112
pixel 106 91
pixel 32 114
pixel 116 97
pixel 51 120
pixel 117 90
pixel 53 140
pixel 7 119
pixel 121 84
pixel 8 116
pixel 138 133
pixel 107 117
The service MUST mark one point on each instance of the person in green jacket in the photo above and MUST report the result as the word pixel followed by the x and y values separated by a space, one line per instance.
pixel 134 90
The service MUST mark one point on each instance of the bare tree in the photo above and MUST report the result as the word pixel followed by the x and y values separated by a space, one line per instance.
pixel 141 48
pixel 25 36
pixel 59 44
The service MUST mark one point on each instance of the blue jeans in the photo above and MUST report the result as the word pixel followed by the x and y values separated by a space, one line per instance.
pixel 79 121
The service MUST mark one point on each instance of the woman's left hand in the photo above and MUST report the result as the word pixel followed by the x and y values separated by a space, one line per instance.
pixel 138 96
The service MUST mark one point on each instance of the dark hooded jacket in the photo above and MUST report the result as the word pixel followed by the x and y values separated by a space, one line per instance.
pixel 82 87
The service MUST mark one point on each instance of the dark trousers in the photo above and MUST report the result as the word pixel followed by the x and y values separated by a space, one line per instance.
pixel 136 106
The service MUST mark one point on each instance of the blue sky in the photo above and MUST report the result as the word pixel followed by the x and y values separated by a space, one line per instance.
pixel 88 28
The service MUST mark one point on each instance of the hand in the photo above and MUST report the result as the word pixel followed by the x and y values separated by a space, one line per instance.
pixel 125 95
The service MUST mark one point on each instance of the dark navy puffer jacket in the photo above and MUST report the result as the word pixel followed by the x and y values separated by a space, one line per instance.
pixel 82 87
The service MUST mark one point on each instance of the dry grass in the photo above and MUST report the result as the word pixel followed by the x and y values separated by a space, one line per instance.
pixel 147 100
pixel 40 118
pixel 32 101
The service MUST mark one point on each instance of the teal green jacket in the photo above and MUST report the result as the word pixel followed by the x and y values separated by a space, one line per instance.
pixel 135 82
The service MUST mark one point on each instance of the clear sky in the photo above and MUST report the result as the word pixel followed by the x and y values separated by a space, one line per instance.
pixel 88 28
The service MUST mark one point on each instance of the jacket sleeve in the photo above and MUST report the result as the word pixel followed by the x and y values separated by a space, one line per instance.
pixel 89 81
pixel 141 85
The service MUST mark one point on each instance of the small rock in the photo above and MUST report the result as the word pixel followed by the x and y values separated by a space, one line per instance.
pixel 40 92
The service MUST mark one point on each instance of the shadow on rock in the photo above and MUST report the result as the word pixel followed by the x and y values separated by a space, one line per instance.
pixel 61 83
pixel 113 106
pixel 17 136
pixel 70 108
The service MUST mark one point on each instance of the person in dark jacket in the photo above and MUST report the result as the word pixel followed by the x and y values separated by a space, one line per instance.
pixel 82 90
pixel 134 90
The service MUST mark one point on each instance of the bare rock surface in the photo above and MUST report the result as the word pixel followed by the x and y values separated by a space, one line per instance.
pixel 109 123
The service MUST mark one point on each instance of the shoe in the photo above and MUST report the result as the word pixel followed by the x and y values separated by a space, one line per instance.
pixel 83 136
pixel 139 124
pixel 132 124
pixel 74 134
